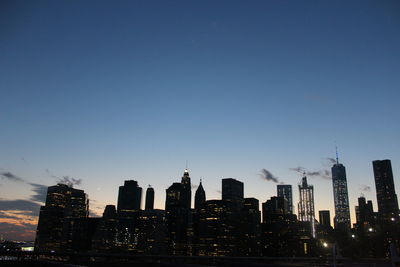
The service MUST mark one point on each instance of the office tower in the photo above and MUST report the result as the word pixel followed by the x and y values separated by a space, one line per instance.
pixel 176 215
pixel 129 202
pixel 285 190
pixel 275 205
pixel 364 214
pixel 151 230
pixel 199 197
pixel 149 198
pixel 232 190
pixel 63 204
pixel 306 204
pixel 187 189
pixel 106 233
pixel 82 231
pixel 216 236
pixel 325 218
pixel 388 207
pixel 129 197
pixel 340 196
pixel 280 231
pixel 250 228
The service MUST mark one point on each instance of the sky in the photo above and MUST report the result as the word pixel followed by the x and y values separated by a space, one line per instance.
pixel 98 92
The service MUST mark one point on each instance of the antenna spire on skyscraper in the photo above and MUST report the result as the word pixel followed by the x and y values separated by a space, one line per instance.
pixel 337 155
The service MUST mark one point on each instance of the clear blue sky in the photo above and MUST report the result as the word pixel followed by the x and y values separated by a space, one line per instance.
pixel 106 91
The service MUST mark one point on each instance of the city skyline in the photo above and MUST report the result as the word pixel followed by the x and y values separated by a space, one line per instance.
pixel 98 93
pixel 141 201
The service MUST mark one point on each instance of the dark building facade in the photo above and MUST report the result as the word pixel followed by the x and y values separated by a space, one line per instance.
pixel 388 206
pixel 232 190
pixel 325 218
pixel 250 228
pixel 199 197
pixel 187 190
pixel 149 198
pixel 177 218
pixel 285 191
pixel 341 197
pixel 129 202
pixel 105 236
pixel 63 205
pixel 150 231
pixel 216 234
pixel 275 205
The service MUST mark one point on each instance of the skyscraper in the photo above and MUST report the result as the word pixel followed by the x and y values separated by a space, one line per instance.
pixel 285 191
pixel 388 207
pixel 129 202
pixel 199 197
pixel 63 205
pixel 187 189
pixel 306 204
pixel 340 196
pixel 176 215
pixel 149 198
pixel 325 218
pixel 232 190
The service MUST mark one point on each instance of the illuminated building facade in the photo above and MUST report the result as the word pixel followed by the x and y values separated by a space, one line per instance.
pixel 63 204
pixel 306 204
pixel 341 197
pixel 285 191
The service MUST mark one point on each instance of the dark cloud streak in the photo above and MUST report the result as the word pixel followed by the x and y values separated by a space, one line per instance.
pixel 10 176
pixel 267 175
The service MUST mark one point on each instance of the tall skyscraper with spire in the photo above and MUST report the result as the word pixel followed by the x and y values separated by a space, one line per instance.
pixel 306 204
pixel 340 196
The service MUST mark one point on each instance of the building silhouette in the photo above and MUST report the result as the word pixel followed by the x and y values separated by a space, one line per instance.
pixel 63 205
pixel 341 197
pixel 388 206
pixel 325 218
pixel 187 189
pixel 250 228
pixel 306 204
pixel 285 191
pixel 129 202
pixel 199 197
pixel 232 191
pixel 150 231
pixel 149 205
pixel 178 216
pixel 105 237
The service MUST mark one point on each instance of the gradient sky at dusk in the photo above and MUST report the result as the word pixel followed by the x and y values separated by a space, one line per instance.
pixel 106 91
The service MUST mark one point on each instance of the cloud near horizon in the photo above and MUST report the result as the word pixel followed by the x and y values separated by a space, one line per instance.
pixel 267 175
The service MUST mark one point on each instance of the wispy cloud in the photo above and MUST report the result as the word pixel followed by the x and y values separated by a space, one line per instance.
pixel 40 192
pixel 267 175
pixel 365 188
pixel 331 160
pixel 10 176
pixel 70 181
pixel 31 207
pixel 324 174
